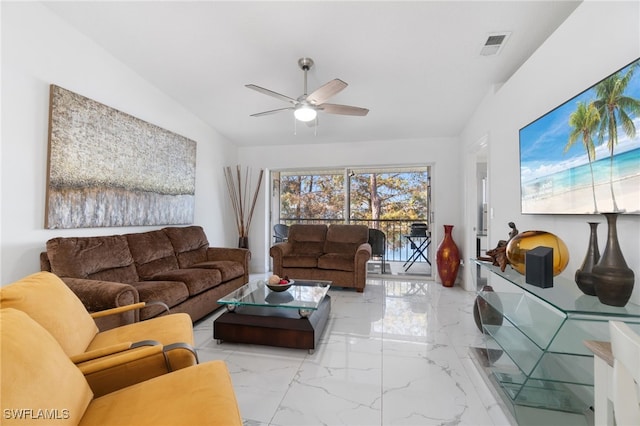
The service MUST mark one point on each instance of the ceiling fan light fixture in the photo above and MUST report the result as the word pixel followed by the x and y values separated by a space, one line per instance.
pixel 305 113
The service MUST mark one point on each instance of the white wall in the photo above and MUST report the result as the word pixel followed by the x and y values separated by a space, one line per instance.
pixel 442 154
pixel 596 40
pixel 39 49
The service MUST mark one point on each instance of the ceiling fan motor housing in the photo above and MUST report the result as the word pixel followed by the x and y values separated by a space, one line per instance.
pixel 305 63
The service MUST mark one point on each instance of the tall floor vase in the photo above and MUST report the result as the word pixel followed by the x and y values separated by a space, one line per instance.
pixel 448 258
pixel 612 277
pixel 584 275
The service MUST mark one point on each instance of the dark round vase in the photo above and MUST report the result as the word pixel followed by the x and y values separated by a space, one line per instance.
pixel 484 313
pixel 448 258
pixel 613 280
pixel 243 242
pixel 584 275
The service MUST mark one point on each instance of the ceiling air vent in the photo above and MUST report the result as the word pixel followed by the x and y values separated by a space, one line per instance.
pixel 494 44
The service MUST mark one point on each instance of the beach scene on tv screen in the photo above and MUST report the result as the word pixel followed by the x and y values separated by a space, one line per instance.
pixel 584 156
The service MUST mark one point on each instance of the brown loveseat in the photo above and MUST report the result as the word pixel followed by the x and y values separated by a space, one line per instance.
pixel 337 253
pixel 174 265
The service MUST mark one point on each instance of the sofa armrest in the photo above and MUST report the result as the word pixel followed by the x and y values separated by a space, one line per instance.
pixel 281 249
pixel 98 295
pixel 225 253
pixel 277 252
pixel 363 253
pixel 235 254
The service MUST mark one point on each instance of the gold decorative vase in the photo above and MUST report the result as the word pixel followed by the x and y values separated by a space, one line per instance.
pixel 527 240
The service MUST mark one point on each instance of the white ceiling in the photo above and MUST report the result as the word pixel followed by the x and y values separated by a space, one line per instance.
pixel 415 65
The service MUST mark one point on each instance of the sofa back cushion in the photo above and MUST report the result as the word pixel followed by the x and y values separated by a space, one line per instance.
pixel 104 258
pixel 307 239
pixel 345 238
pixel 45 298
pixel 189 244
pixel 152 253
pixel 37 374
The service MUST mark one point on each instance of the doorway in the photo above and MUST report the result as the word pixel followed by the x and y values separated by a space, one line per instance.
pixel 477 206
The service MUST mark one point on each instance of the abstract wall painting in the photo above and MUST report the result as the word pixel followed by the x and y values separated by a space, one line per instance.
pixel 107 168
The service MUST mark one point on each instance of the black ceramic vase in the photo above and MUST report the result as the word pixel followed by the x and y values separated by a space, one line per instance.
pixel 613 280
pixel 584 276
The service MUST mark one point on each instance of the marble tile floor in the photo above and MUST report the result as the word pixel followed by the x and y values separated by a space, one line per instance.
pixel 396 354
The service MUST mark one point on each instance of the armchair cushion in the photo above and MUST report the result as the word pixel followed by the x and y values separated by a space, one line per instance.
pixel 36 372
pixel 50 302
pixel 202 394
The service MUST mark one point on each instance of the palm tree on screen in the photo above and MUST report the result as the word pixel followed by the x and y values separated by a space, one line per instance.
pixel 616 109
pixel 584 122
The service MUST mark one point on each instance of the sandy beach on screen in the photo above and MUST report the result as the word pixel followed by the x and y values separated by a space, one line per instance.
pixel 627 193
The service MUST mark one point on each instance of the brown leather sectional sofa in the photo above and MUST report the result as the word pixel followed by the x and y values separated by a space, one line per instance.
pixel 337 253
pixel 174 265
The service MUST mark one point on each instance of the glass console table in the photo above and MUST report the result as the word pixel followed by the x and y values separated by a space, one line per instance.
pixel 535 353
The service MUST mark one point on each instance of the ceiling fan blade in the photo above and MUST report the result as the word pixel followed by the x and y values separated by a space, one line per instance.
pixel 273 111
pixel 343 109
pixel 325 92
pixel 271 93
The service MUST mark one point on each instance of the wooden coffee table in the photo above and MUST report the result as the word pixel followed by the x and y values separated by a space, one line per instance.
pixel 294 318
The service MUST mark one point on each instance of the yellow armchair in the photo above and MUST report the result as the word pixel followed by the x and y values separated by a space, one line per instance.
pixel 40 384
pixel 114 358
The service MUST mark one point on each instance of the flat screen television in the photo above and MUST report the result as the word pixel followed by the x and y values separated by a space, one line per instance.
pixel 583 157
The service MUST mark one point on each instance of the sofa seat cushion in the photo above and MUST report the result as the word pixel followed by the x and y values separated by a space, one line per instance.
pixel 336 261
pixel 300 260
pixel 169 292
pixel 228 268
pixel 201 394
pixel 196 280
pixel 152 252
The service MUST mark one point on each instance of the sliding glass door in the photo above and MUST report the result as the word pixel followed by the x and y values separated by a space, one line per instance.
pixel 389 199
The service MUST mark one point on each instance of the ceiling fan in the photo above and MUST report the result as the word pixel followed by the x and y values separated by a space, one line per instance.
pixel 306 106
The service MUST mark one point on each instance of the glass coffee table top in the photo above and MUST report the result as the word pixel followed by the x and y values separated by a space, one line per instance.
pixel 304 295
